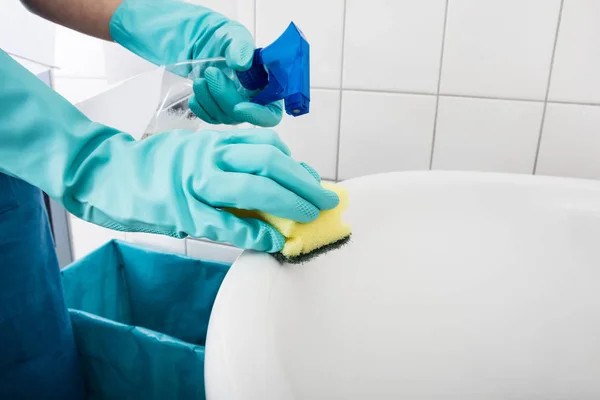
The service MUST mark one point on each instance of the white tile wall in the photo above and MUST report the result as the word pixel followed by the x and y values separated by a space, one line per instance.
pixel 245 14
pixel 576 71
pixel 499 48
pixel 488 50
pixel 393 45
pixel 486 135
pixel 383 132
pixel 570 143
pixel 317 19
pixel 314 136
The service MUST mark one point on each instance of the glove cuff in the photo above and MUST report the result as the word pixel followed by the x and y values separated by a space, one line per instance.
pixel 164 31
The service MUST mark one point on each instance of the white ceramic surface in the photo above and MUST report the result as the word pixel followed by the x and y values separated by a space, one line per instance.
pixel 455 286
pixel 322 22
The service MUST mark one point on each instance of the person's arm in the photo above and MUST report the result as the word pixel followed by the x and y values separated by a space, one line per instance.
pixel 174 183
pixel 91 17
pixel 168 32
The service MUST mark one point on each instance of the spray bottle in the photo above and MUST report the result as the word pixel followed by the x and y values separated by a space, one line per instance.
pixel 280 71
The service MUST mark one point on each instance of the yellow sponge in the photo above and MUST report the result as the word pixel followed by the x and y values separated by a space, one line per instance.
pixel 304 241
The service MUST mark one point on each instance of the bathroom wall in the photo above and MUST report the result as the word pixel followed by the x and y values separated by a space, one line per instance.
pixel 483 85
pixel 397 85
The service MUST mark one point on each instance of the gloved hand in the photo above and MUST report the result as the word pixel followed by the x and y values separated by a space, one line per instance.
pixel 170 31
pixel 172 183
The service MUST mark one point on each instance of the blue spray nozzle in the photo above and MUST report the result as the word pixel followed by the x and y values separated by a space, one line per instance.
pixel 281 71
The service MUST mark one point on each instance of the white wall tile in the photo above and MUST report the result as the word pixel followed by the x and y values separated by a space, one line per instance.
pixel 313 137
pixel 487 135
pixel 209 251
pixel 87 237
pixel 322 24
pixel 78 55
pixel 246 13
pixel 78 89
pixel 158 242
pixel 576 71
pixel 393 45
pixel 382 132
pixel 570 141
pixel 499 48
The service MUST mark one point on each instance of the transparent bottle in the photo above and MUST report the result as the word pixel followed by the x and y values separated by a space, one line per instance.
pixel 173 111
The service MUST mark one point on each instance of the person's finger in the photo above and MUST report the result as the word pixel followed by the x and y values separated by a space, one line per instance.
pixel 222 226
pixel 204 98
pixel 240 50
pixel 223 91
pixel 312 171
pixel 255 114
pixel 200 112
pixel 269 162
pixel 235 106
pixel 251 192
pixel 259 136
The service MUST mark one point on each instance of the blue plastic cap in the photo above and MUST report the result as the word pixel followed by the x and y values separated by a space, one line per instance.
pixel 256 77
pixel 282 71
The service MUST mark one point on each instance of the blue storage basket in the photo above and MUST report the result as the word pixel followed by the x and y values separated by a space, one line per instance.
pixel 140 319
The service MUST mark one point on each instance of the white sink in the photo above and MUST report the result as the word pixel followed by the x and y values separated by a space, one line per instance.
pixel 457 286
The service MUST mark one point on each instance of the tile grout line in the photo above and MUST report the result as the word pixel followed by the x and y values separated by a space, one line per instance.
pixel 339 132
pixel 462 96
pixel 383 91
pixel 439 84
pixel 539 142
pixel 479 97
pixel 255 28
pixel 573 103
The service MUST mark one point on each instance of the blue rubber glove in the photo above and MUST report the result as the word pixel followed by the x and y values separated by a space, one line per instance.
pixel 170 31
pixel 171 183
